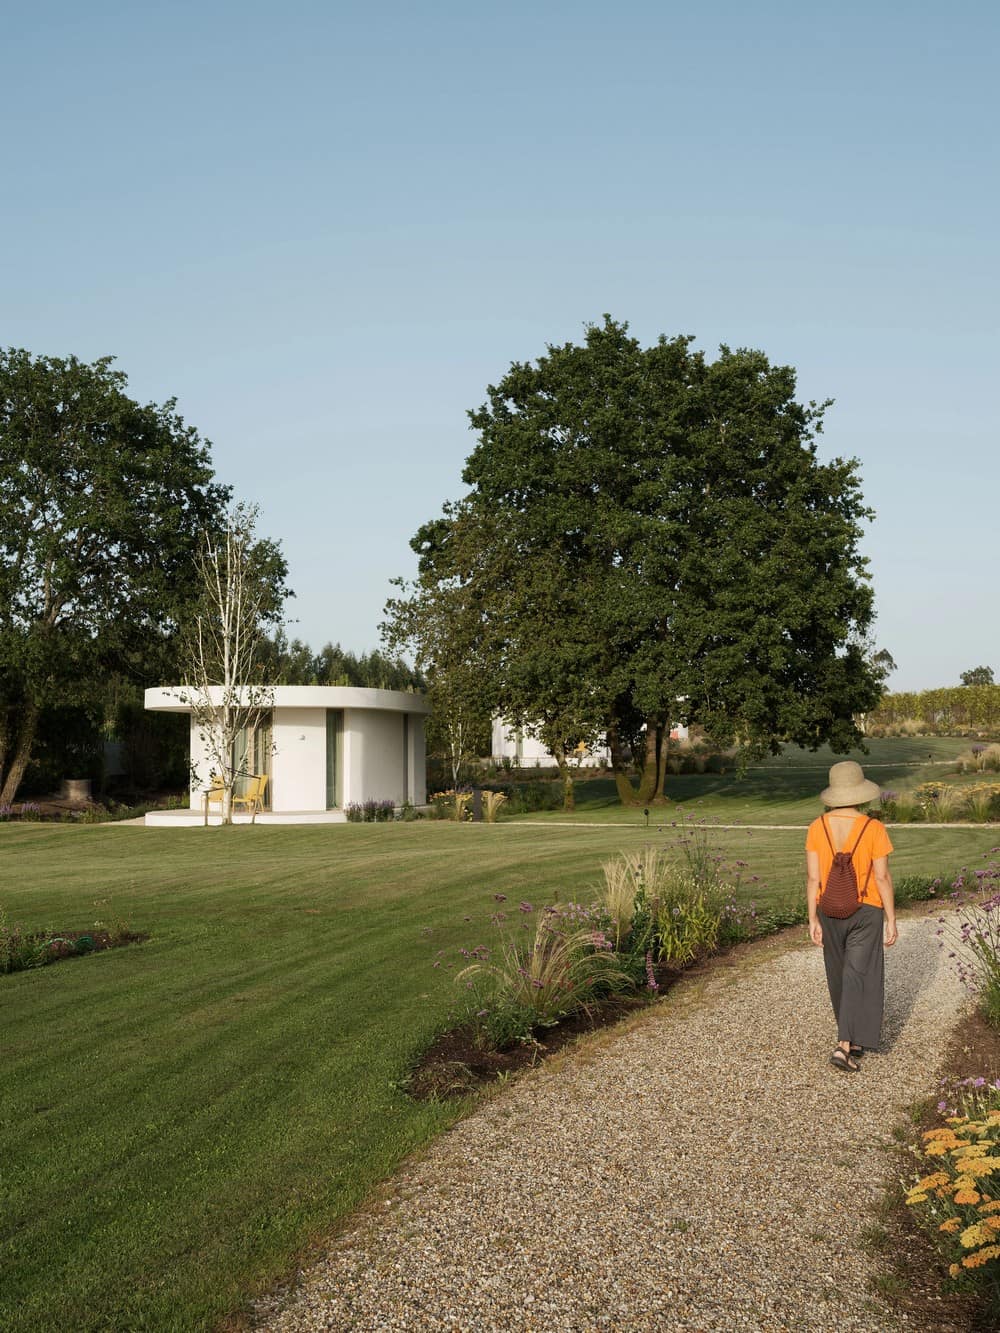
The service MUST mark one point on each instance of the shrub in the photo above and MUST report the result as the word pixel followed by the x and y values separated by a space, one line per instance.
pixel 372 811
pixel 972 930
pixel 982 802
pixel 524 798
pixel 660 906
pixel 20 950
pixel 492 801
pixel 687 928
pixel 566 969
pixel 905 809
pixel 961 1193
pixel 942 804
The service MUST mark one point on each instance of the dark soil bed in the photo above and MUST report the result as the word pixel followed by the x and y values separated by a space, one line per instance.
pixel 456 1064
pixel 62 945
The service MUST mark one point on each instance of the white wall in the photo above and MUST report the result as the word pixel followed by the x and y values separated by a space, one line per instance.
pixel 372 758
pixel 201 767
pixel 298 764
pixel 376 755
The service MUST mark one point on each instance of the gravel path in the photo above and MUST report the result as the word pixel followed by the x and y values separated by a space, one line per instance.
pixel 703 1170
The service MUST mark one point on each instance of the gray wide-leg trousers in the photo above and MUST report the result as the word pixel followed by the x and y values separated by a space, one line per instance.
pixel 855 973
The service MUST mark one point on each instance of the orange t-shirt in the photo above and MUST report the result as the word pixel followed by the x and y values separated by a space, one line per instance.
pixel 874 843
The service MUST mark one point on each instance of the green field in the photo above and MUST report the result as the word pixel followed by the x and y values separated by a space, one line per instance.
pixel 180 1117
pixel 776 791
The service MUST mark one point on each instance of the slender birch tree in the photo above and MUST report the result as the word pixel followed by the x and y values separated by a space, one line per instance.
pixel 242 588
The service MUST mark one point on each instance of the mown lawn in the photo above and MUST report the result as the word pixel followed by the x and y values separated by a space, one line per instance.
pixel 179 1117
pixel 782 790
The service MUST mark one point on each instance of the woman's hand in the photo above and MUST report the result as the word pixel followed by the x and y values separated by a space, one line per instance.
pixel 815 931
pixel 891 933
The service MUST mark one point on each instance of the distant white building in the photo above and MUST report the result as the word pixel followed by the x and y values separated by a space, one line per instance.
pixel 526 751
pixel 321 747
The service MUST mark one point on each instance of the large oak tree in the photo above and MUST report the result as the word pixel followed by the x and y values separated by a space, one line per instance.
pixel 102 501
pixel 648 536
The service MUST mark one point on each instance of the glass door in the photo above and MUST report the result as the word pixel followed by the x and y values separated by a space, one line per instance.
pixel 334 757
pixel 252 749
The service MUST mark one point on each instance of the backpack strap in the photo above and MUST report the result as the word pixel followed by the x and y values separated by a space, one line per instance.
pixel 860 836
pixel 857 844
pixel 827 832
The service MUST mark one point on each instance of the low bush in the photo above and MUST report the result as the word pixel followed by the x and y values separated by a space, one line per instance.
pixel 451 805
pixel 492 801
pixel 372 811
pixel 959 1197
pixel 525 798
pixel 567 968
pixel 21 949
pixel 28 812
pixel 970 928
pixel 662 908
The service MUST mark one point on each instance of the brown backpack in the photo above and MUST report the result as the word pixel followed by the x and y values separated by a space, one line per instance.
pixel 840 898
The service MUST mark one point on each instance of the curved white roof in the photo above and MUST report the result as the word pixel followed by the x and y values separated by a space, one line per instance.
pixel 174 698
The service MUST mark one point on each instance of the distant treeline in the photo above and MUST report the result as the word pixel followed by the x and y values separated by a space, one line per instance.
pixel 295 663
pixel 957 708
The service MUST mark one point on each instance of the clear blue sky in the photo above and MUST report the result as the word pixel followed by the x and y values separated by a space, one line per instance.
pixel 326 227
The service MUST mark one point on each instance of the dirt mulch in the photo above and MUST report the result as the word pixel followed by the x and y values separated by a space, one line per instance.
pixel 456 1064
pixel 66 944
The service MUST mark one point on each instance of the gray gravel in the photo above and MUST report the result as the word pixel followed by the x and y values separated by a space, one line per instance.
pixel 705 1169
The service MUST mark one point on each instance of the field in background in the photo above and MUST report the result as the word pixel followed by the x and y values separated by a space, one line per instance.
pixel 179 1117
pixel 782 790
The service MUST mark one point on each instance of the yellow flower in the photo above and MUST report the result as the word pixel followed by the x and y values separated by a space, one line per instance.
pixel 931 1134
pixel 936 1149
pixel 967 1195
pixel 981 1257
pixel 916 1198
pixel 977 1234
pixel 993 1223
pixel 954 1270
pixel 929 1182
pixel 990 1206
pixel 979 1166
pixel 952 1224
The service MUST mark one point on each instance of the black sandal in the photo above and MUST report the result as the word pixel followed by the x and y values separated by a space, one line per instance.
pixel 840 1059
pixel 856 1052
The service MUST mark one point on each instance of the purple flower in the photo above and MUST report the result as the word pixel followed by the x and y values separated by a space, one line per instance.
pixel 651 981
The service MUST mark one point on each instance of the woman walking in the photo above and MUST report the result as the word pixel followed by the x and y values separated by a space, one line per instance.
pixel 861 909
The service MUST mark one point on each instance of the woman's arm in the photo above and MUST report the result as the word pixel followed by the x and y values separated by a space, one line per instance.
pixel 883 881
pixel 812 896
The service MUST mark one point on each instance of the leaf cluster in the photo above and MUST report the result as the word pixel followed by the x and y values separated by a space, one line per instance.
pixel 646 533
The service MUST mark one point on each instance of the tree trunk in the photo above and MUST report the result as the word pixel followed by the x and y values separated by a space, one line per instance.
pixel 23 741
pixel 649 777
pixel 663 748
pixel 566 773
pixel 626 793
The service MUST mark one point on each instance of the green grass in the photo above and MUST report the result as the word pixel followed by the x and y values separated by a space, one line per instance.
pixel 783 790
pixel 180 1117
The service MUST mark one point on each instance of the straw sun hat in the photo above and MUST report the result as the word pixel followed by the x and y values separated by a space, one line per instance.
pixel 849 786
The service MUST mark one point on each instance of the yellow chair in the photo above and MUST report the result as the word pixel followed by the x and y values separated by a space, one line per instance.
pixel 253 798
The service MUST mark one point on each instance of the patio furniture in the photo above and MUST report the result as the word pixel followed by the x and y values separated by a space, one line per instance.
pixel 253 798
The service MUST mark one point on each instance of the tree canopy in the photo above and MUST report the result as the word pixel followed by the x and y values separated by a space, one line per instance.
pixel 293 662
pixel 102 503
pixel 980 675
pixel 650 537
